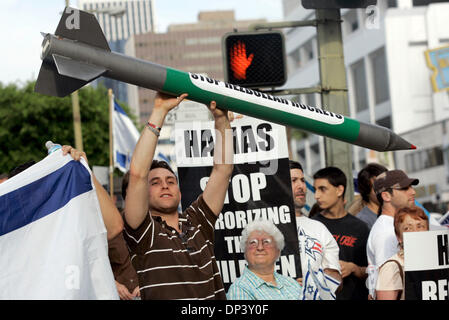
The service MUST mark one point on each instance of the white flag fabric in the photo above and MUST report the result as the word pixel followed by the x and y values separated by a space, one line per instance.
pixel 53 242
pixel 444 220
pixel 125 135
pixel 162 157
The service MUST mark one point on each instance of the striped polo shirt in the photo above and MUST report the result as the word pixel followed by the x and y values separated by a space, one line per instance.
pixel 172 265
pixel 250 287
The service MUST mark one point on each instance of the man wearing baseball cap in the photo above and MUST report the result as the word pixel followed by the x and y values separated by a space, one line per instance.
pixel 394 190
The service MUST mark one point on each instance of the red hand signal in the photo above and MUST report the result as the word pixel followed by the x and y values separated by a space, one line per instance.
pixel 239 62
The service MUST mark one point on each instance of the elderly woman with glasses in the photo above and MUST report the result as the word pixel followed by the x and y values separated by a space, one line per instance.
pixel 262 243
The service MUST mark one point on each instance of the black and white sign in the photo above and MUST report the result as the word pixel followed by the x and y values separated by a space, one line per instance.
pixel 259 187
pixel 426 265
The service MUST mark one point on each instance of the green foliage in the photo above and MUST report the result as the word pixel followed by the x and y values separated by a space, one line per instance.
pixel 29 119
pixel 298 134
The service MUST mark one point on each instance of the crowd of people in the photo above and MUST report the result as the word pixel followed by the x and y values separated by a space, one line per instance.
pixel 158 253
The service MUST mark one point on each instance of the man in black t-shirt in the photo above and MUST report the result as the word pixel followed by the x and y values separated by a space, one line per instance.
pixel 350 233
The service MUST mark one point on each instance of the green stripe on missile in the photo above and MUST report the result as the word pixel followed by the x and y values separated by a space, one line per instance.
pixel 178 82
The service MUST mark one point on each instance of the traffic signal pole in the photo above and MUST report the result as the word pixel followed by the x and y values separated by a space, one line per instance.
pixel 333 87
pixel 334 93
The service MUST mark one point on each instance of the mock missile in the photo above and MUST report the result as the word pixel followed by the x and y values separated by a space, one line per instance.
pixel 79 53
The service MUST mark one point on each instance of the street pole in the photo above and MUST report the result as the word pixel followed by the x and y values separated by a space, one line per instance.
pixel 333 87
pixel 111 143
pixel 334 94
pixel 76 113
pixel 77 121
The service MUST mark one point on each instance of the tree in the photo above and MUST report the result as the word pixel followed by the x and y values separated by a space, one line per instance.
pixel 29 119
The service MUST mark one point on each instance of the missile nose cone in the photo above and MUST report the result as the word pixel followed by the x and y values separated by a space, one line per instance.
pixel 398 143
pixel 381 139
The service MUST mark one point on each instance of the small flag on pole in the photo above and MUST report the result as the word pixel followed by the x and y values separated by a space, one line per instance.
pixel 125 136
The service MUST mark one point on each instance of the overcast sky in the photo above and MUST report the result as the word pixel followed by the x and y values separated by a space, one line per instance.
pixel 21 22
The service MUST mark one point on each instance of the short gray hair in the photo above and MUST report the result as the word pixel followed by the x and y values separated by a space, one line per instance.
pixel 265 226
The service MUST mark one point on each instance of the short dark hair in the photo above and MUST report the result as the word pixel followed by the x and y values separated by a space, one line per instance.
pixel 314 210
pixel 161 164
pixel 295 165
pixel 154 165
pixel 364 184
pixel 381 200
pixel 334 175
pixel 125 182
pixel 20 168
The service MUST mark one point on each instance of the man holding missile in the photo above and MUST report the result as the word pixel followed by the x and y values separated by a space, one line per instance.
pixel 173 253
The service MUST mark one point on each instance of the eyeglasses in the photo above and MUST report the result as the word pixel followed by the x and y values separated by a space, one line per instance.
pixel 403 188
pixel 266 243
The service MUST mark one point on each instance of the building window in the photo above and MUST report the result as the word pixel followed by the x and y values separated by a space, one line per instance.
pixel 359 84
pixel 308 99
pixel 351 21
pixel 380 73
pixel 392 3
pixel 409 164
pixel 201 54
pixel 308 50
pixel 384 122
pixel 417 3
pixel 296 58
pixel 436 156
pixel 205 40
pixel 424 159
pixel 311 99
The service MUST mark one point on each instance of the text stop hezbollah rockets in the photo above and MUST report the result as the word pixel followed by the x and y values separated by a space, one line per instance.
pixel 79 53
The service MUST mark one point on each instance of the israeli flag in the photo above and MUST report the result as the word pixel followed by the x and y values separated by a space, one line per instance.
pixel 434 224
pixel 162 157
pixel 125 137
pixel 53 242
pixel 444 220
pixel 310 194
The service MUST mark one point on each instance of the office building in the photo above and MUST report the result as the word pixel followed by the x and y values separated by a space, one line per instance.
pixel 120 20
pixel 389 84
pixel 193 47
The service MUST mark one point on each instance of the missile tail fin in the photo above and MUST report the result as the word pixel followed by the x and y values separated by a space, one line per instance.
pixel 76 69
pixel 59 75
pixel 81 26
pixel 50 82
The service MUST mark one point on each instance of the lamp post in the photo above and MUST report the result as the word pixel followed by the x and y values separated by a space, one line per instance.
pixel 76 113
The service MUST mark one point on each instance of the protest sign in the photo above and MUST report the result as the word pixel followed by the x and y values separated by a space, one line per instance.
pixel 426 265
pixel 258 189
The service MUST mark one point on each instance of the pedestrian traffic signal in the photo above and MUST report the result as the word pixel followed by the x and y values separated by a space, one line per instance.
pixel 337 4
pixel 254 59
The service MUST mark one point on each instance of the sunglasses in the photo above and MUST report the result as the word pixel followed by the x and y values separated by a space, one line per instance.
pixel 403 188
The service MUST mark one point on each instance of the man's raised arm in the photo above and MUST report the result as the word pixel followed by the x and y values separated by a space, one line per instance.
pixel 136 202
pixel 217 186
